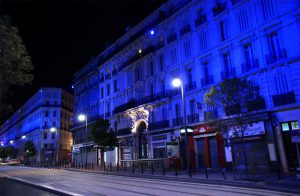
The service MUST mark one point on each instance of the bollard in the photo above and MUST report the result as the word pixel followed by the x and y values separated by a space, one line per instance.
pixel 152 168
pixel 190 170
pixel 163 168
pixel 118 166
pixel 103 166
pixel 132 167
pixel 142 168
pixel 223 173
pixel 110 166
pixel 92 166
pixel 206 174
pixel 176 170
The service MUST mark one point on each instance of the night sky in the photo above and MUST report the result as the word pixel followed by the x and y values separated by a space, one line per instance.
pixel 63 36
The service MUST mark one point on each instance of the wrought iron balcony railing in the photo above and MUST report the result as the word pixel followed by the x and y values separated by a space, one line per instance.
pixel 193 118
pixel 171 38
pixel 284 99
pixel 159 125
pixel 177 121
pixel 248 66
pixel 228 74
pixel 184 30
pixel 220 7
pixel 200 20
pixel 207 80
pixel 274 57
pixel 190 86
pixel 257 104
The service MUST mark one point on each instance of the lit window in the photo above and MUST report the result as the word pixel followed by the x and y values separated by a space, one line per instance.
pixel 285 127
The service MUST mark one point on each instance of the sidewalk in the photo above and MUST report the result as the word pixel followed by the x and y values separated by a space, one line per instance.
pixel 269 181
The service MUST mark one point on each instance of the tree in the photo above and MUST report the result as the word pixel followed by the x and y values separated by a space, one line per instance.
pixel 4 153
pixel 15 64
pixel 104 137
pixel 29 149
pixel 237 96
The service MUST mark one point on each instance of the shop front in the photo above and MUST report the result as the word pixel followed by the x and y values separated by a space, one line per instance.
pixel 209 148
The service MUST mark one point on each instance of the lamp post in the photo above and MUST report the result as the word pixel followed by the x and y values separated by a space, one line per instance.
pixel 178 83
pixel 81 118
pixel 54 130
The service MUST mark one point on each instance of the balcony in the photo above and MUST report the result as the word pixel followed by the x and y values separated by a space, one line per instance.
pixel 284 99
pixel 220 7
pixel 228 74
pixel 190 86
pixel 159 125
pixel 125 131
pixel 257 104
pixel 248 66
pixel 200 20
pixel 123 107
pixel 207 80
pixel 159 45
pixel 276 56
pixel 177 122
pixel 193 118
pixel 171 38
pixel 107 76
pixel 210 115
pixel 114 72
pixel 234 109
pixel 233 2
pixel 184 30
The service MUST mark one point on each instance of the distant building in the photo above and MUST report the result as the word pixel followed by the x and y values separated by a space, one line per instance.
pixel 202 42
pixel 46 109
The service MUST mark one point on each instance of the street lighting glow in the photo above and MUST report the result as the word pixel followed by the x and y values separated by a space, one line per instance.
pixel 23 137
pixel 152 32
pixel 81 117
pixel 176 82
pixel 140 51
pixel 53 129
pixel 11 141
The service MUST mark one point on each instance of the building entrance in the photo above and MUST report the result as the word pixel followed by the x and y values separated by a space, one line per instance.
pixel 141 141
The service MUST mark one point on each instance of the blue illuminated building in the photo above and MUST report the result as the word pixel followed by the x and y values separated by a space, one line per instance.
pixel 201 42
pixel 47 108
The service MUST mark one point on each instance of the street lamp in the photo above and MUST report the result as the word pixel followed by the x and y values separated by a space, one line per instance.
pixel 178 83
pixel 81 118
pixel 23 137
pixel 54 130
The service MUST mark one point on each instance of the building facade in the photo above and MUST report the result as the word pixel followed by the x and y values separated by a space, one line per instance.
pixel 46 109
pixel 201 42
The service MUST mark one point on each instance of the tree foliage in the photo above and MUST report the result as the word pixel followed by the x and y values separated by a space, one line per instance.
pixel 29 149
pixel 6 152
pixel 104 137
pixel 15 64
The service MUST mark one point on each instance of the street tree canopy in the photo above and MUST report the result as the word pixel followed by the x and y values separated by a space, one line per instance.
pixel 15 63
pixel 29 149
pixel 104 137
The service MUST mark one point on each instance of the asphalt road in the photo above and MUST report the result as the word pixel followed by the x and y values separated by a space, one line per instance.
pixel 79 183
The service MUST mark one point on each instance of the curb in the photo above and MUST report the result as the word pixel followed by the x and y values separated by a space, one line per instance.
pixel 208 181
pixel 44 187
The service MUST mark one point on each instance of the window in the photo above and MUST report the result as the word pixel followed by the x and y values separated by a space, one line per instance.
pixel 192 106
pixel 273 43
pixel 189 76
pixel 223 30
pixel 108 89
pixel 268 9
pixel 46 124
pixel 227 65
pixel 54 113
pixel 46 113
pixel 55 102
pixel 288 126
pixel 177 110
pixel 108 107
pixel 249 53
pixel 173 55
pixel 243 20
pixel 115 85
pixel 187 49
pixel 152 89
pixel 203 40
pixel 102 92
pixel 151 68
pixel 163 88
pixel 45 135
pixel 161 62
pixel 51 146
pixel 47 102
pixel 205 70
pixel 53 135
pixel 54 124
pixel 281 83
pixel 45 146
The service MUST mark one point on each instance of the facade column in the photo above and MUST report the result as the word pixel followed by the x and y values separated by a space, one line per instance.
pixel 280 145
